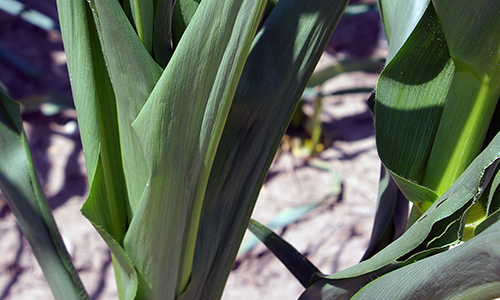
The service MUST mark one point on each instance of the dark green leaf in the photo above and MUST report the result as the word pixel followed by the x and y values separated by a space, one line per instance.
pixel 283 57
pixel 391 216
pixel 293 260
pixel 162 42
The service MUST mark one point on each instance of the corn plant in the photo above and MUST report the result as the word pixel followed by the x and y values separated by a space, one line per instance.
pixel 181 108
pixel 436 126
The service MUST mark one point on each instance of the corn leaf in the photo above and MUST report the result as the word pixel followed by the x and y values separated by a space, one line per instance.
pixel 402 15
pixel 471 34
pixel 438 228
pixel 469 271
pixel 106 205
pixel 432 121
pixel 283 56
pixel 295 262
pixel 494 195
pixel 134 74
pixel 492 205
pixel 179 128
pixel 24 194
pixel 410 98
pixel 391 215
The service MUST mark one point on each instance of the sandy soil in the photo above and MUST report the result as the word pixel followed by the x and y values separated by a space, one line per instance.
pixel 333 236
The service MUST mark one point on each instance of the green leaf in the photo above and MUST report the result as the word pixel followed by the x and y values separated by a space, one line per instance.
pixel 469 271
pixel 179 128
pixel 409 103
pixel 438 228
pixel 93 95
pixel 494 195
pixel 106 206
pixel 293 260
pixel 133 74
pixel 470 29
pixel 25 197
pixel 399 18
pixel 391 215
pixel 283 57
pixel 143 17
pixel 182 14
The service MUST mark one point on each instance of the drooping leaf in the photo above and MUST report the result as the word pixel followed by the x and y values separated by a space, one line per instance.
pixel 438 228
pixel 295 262
pixel 25 197
pixel 469 271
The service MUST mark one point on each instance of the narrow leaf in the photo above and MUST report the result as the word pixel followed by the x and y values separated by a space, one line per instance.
pixel 391 215
pixel 293 260
pixel 181 16
pixel 25 197
pixel 162 42
pixel 95 101
pixel 143 16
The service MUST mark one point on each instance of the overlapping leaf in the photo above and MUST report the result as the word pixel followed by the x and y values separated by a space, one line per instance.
pixel 437 94
pixel 474 46
pixel 179 128
pixel 469 271
pixel 410 99
pixel 167 144
pixel 391 217
pixel 95 100
pixel 437 229
pixel 282 58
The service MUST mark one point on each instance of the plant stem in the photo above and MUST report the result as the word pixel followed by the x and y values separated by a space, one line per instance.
pixel 467 114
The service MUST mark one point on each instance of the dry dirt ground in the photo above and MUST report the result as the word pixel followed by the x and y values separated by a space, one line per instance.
pixel 333 236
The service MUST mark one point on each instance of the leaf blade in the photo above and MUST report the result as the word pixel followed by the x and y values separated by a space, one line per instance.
pixel 24 194
pixel 254 128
